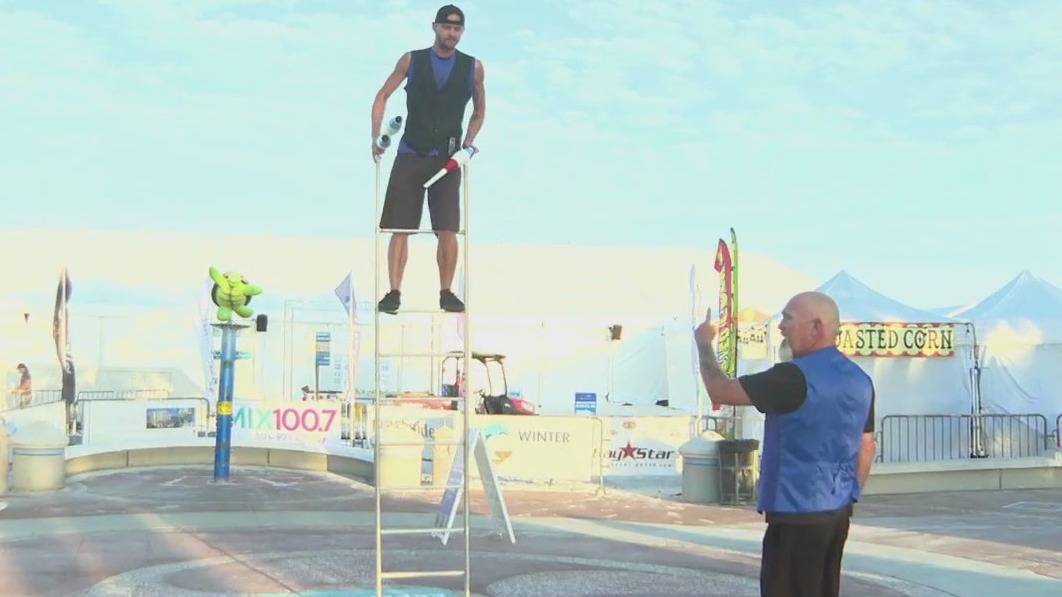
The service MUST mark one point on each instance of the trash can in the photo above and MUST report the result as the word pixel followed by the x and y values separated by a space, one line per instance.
pixel 700 468
pixel 38 457
pixel 738 471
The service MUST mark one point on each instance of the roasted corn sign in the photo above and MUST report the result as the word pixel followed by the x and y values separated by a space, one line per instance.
pixel 897 339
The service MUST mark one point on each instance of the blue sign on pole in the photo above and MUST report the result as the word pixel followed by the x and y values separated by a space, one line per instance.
pixel 586 402
pixel 324 349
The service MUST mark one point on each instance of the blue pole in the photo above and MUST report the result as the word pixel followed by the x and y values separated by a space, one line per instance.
pixel 223 439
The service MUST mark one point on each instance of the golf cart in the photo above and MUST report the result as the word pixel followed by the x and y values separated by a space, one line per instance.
pixel 488 382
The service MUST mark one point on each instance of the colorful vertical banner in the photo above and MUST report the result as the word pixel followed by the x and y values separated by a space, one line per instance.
pixel 735 308
pixel 345 294
pixel 727 335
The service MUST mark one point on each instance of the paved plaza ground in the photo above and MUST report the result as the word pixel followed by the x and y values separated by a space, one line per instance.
pixel 172 532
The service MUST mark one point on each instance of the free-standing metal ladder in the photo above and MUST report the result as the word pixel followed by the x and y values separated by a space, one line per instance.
pixel 461 400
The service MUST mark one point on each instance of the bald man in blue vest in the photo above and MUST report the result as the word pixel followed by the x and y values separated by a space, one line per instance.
pixel 818 445
pixel 439 82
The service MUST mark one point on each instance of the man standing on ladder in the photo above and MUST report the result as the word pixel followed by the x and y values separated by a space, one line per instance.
pixel 439 82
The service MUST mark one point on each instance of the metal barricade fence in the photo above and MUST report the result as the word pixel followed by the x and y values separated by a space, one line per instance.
pixel 77 416
pixel 920 438
pixel 600 453
pixel 717 424
pixel 356 412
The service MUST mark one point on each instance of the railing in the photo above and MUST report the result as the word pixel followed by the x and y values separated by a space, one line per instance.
pixel 123 395
pixel 919 438
pixel 17 401
pixel 77 415
pixel 1058 432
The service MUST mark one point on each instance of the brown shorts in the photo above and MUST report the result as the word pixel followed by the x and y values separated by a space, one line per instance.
pixel 404 200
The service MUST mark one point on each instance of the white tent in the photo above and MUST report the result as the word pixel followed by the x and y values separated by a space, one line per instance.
pixel 890 341
pixel 1019 335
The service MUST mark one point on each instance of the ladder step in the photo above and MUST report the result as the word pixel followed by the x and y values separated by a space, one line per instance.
pixel 426 442
pixel 400 574
pixel 420 531
pixel 413 355
pixel 413 398
pixel 418 487
pixel 422 311
pixel 408 231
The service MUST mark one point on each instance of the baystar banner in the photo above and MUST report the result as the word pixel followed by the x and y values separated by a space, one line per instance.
pixel 865 339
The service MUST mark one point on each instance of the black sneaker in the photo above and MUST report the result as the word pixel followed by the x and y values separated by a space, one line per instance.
pixel 390 302
pixel 448 301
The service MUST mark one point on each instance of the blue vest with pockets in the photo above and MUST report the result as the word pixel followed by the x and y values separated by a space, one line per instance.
pixel 808 460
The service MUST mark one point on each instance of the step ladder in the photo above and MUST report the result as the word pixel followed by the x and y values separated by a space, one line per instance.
pixel 465 406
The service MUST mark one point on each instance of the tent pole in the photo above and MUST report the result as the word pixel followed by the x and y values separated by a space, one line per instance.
pixel 977 429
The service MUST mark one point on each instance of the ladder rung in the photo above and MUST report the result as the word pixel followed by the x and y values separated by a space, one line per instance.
pixel 394 355
pixel 418 487
pixel 399 574
pixel 412 397
pixel 408 231
pixel 416 311
pixel 419 531
pixel 412 400
pixel 426 442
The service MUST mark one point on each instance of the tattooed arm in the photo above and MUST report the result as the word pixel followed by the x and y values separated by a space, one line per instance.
pixel 721 388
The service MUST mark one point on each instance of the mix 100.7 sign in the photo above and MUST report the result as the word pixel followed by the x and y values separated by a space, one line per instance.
pixel 312 422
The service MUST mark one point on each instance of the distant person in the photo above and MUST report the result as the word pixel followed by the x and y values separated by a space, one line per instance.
pixel 818 445
pixel 439 81
pixel 69 393
pixel 24 391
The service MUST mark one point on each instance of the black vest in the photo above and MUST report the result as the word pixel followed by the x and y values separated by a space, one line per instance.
pixel 434 116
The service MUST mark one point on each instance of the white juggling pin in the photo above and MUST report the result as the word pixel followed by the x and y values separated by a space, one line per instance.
pixel 457 160
pixel 393 127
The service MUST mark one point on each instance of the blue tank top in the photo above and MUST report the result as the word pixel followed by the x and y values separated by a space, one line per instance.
pixel 809 455
pixel 441 67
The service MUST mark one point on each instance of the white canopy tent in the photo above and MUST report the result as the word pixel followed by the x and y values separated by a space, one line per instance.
pixel 881 336
pixel 1019 337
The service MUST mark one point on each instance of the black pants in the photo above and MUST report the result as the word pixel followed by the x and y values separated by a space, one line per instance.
pixel 802 558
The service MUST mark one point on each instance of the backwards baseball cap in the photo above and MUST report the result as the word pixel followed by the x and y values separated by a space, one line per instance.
pixel 444 14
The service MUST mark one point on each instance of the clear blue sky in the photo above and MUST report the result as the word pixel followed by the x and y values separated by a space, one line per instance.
pixel 915 144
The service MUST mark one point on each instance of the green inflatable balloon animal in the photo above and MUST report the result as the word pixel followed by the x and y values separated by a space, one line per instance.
pixel 232 293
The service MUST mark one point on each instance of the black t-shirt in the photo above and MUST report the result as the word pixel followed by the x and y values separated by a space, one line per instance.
pixel 782 389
